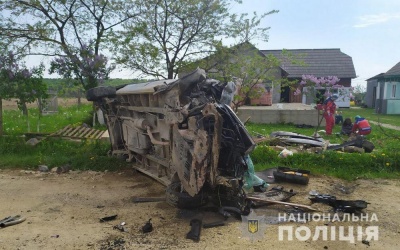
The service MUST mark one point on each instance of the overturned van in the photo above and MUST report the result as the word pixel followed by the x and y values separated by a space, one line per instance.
pixel 178 132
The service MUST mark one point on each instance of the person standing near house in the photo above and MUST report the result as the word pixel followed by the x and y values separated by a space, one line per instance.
pixel 361 126
pixel 329 113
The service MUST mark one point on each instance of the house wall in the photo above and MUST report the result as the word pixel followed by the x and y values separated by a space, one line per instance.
pixel 342 102
pixel 381 102
pixel 393 107
pixel 389 94
pixel 345 101
pixel 370 101
pixel 345 82
pixel 387 102
pixel 276 116
pixel 392 97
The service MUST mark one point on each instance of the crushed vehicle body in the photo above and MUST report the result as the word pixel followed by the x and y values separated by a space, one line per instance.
pixel 179 133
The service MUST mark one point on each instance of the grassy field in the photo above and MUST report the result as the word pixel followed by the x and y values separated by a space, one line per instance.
pixel 382 162
pixel 85 155
pixel 370 114
pixel 14 123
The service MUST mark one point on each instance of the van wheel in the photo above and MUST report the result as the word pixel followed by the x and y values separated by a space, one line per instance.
pixel 95 94
pixel 179 199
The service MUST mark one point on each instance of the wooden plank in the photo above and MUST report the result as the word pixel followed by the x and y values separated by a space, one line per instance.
pixel 95 134
pixel 60 130
pixel 67 131
pixel 87 130
pixel 89 135
pixel 78 132
pixel 70 133
pixel 82 131
pixel 101 132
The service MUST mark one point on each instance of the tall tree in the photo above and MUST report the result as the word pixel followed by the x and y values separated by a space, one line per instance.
pixel 171 33
pixel 245 65
pixel 84 66
pixel 17 81
pixel 62 27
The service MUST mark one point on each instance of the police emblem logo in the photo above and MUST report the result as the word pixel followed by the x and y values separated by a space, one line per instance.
pixel 252 226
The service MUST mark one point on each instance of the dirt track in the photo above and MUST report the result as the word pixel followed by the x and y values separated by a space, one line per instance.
pixel 62 212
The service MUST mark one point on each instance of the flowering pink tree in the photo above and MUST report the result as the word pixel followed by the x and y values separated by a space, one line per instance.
pixel 86 67
pixel 310 86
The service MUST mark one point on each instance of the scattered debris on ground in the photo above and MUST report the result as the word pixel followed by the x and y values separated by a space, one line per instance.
pixel 74 200
pixel 148 227
pixel 11 220
pixel 195 230
pixel 285 174
pixel 289 143
pixel 108 218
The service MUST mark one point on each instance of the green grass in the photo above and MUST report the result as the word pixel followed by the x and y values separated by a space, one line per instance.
pixel 52 152
pixel 383 162
pixel 14 123
pixel 370 114
pixel 85 155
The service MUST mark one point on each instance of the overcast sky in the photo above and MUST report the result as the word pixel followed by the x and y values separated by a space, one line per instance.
pixel 366 30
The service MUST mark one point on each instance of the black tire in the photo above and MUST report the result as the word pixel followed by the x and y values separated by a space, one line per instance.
pixel 95 94
pixel 179 199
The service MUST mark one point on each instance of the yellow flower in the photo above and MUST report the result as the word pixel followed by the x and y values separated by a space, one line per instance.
pixel 387 164
pixel 383 153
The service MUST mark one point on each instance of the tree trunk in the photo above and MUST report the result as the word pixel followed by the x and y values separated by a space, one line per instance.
pixel 171 72
pixel 1 116
pixel 79 98
pixel 24 109
pixel 40 105
pixel 28 124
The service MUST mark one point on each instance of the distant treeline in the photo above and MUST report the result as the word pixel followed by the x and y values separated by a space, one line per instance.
pixel 66 88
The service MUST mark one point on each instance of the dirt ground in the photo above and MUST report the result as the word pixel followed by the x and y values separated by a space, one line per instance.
pixel 62 211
